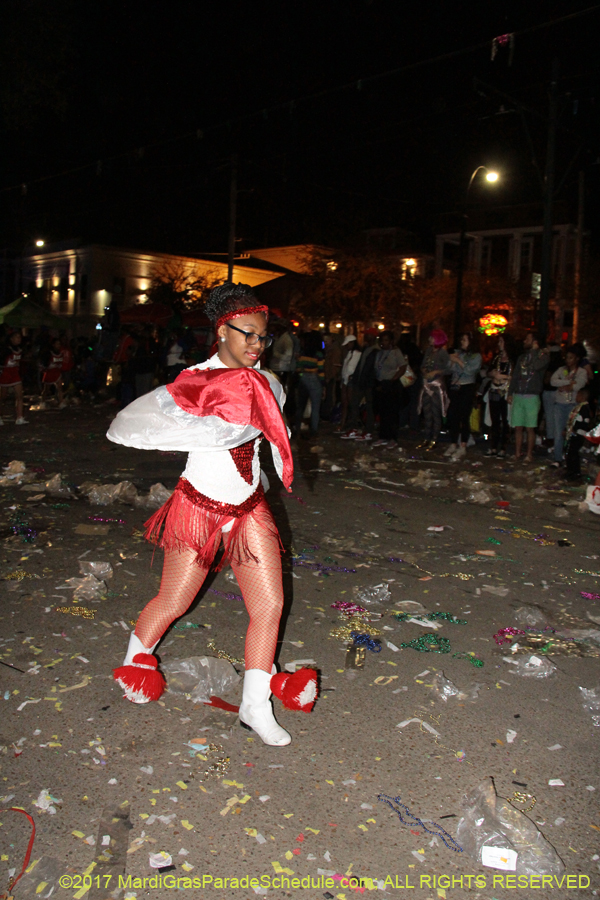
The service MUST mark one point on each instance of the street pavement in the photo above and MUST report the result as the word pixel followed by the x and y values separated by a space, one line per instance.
pixel 111 784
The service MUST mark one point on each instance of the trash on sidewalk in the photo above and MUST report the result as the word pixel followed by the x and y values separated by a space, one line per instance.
pixel 155 498
pixel 16 473
pixel 499 836
pixel 425 479
pixel 534 667
pixel 443 688
pixel 54 487
pixel 87 588
pixel 591 703
pixel 105 494
pixel 46 802
pixel 379 593
pixel 103 571
pixel 200 677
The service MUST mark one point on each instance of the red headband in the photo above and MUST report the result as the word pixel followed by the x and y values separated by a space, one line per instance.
pixel 246 311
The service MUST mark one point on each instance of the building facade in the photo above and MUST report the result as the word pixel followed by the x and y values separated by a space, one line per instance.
pixel 82 280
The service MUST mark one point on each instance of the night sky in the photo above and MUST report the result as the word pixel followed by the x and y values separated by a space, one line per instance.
pixel 153 98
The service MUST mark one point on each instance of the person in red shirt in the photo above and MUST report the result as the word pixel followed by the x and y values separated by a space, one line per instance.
pixel 10 374
pixel 53 374
pixel 68 362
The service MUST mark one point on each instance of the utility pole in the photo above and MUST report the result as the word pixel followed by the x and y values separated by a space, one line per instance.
pixel 548 207
pixel 459 274
pixel 233 191
pixel 578 256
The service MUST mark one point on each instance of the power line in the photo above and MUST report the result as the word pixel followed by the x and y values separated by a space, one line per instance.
pixel 357 84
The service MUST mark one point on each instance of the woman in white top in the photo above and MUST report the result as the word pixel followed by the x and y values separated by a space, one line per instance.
pixel 348 366
pixel 567 380
pixel 219 411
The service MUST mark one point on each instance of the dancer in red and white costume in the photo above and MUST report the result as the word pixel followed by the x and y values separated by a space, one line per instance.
pixel 10 374
pixel 219 411
pixel 53 374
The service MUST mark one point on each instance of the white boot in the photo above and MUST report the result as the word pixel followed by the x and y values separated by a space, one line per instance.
pixel 135 646
pixel 256 711
pixel 451 450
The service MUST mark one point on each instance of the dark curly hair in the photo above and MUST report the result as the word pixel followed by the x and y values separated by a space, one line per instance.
pixel 228 297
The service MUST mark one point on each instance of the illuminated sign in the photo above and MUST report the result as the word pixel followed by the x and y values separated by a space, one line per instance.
pixel 492 324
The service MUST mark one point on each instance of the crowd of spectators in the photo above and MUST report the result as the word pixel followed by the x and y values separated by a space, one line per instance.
pixel 512 399
pixel 115 362
pixel 518 400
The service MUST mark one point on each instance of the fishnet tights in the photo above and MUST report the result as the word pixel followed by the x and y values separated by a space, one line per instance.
pixel 260 584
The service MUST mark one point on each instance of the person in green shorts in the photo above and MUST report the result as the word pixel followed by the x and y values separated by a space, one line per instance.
pixel 524 391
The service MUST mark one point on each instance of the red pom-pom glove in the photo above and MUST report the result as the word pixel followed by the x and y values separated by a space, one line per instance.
pixel 141 680
pixel 296 691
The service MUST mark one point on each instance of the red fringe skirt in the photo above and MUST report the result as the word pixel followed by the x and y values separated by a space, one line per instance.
pixel 189 520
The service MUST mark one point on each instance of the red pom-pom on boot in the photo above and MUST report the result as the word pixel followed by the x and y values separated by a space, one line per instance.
pixel 296 690
pixel 141 680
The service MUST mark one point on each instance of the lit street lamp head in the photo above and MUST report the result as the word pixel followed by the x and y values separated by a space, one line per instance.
pixel 492 176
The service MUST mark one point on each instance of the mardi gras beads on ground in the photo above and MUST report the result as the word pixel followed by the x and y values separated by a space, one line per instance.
pixel 521 797
pixel 363 640
pixel 344 632
pixel 19 575
pixel 222 654
pixel 348 609
pixel 77 611
pixel 474 660
pixel 501 636
pixel 404 617
pixel 429 643
pixel 227 594
pixel 414 820
pixel 22 528
pixel 220 766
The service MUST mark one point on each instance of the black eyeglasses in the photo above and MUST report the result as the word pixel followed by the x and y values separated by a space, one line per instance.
pixel 252 338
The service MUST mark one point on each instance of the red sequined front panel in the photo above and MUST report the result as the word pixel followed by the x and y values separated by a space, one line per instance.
pixel 215 506
pixel 243 457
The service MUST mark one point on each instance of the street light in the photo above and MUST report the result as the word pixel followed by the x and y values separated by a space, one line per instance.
pixel 40 243
pixel 491 177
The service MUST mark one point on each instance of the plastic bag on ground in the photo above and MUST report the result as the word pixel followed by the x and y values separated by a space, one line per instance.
pixel 491 822
pixel 87 588
pixel 105 494
pixel 101 570
pixel 156 497
pixel 591 703
pixel 531 667
pixel 202 677
pixel 424 478
pixel 531 616
pixel 41 880
pixel 443 688
pixel 55 488
pixel 126 492
pixel 411 606
pixel 16 472
pixel 379 593
pixel 99 494
pixel 482 496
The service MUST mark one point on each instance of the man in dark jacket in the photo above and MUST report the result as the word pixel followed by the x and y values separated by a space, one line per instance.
pixel 363 386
